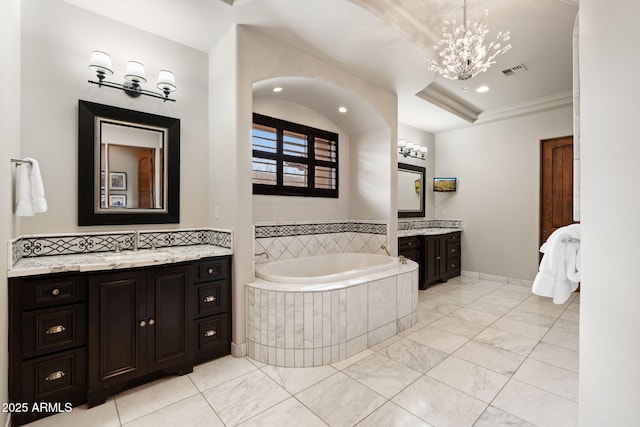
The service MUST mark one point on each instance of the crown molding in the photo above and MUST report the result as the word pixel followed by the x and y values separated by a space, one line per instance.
pixel 536 105
pixel 440 97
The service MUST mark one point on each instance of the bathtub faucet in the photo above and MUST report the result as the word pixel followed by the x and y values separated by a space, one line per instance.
pixel 385 249
pixel 402 259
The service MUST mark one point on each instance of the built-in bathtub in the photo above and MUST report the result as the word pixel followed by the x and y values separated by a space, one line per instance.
pixel 319 310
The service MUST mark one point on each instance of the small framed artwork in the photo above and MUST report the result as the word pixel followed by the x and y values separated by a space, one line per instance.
pixel 117 180
pixel 118 200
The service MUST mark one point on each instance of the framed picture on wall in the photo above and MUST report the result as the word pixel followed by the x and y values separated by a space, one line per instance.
pixel 118 200
pixel 117 180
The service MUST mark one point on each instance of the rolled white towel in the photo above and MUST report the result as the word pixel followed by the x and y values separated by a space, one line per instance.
pixel 24 204
pixel 37 188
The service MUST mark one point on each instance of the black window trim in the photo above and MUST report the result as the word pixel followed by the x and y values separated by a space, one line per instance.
pixel 280 189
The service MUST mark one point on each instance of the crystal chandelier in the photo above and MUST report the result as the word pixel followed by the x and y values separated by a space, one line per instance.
pixel 462 50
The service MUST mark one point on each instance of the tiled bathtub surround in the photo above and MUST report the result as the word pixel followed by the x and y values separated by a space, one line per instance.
pixel 297 326
pixel 84 243
pixel 416 224
pixel 301 239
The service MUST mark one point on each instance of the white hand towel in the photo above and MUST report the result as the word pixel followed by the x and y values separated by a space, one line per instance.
pixel 37 188
pixel 24 205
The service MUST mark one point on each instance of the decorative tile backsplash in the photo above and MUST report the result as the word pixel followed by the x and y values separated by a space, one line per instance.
pixel 296 240
pixel 414 224
pixel 82 243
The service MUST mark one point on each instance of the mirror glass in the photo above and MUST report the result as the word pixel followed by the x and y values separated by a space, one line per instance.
pixel 128 166
pixel 411 190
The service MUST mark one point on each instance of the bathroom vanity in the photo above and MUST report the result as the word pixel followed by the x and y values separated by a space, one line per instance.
pixel 81 336
pixel 437 252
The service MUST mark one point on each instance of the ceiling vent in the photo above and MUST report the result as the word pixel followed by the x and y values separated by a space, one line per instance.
pixel 517 69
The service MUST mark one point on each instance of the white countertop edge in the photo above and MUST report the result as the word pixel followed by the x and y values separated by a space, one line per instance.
pixel 107 260
pixel 427 231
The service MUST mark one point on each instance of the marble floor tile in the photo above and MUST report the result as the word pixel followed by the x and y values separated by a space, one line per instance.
pixel 193 411
pixel 520 328
pixel 242 398
pixel 536 406
pixel 500 300
pixel 414 355
pixel 438 339
pixel 571 315
pixel 458 326
pixel 488 307
pixel 221 370
pixel 390 341
pixel 555 355
pixel 353 359
pixel 414 328
pixel 440 404
pixel 531 318
pixel 289 413
pixel 474 316
pixel 381 374
pixel 540 309
pixel 427 315
pixel 438 306
pixel 105 415
pixel 567 326
pixel 294 380
pixel 456 298
pixel 562 339
pixel 340 400
pixel 549 301
pixel 391 415
pixel 498 360
pixel 506 341
pixel 152 396
pixel 550 378
pixel 495 417
pixel 513 294
pixel 475 380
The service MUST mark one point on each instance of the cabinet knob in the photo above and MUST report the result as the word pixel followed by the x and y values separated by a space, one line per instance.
pixel 210 271
pixel 152 322
pixel 55 330
pixel 209 298
pixel 54 376
pixel 55 292
pixel 143 323
pixel 209 333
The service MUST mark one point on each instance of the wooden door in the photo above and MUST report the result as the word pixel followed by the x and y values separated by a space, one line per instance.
pixel 556 185
pixel 145 179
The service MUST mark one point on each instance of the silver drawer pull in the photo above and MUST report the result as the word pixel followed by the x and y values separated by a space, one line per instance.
pixel 209 298
pixel 143 323
pixel 54 376
pixel 152 322
pixel 55 330
pixel 210 333
pixel 55 292
pixel 210 271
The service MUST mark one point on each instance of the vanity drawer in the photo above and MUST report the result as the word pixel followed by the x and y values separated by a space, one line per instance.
pixel 53 329
pixel 47 292
pixel 408 243
pixel 453 264
pixel 62 376
pixel 214 269
pixel 212 332
pixel 453 249
pixel 212 298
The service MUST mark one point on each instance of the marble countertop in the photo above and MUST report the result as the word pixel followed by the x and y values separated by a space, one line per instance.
pixel 112 260
pixel 427 231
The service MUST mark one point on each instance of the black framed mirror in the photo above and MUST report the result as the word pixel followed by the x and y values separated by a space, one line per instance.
pixel 411 190
pixel 128 166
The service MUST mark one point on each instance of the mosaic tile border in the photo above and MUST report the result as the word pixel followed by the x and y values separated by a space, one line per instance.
pixel 413 224
pixel 70 244
pixel 302 229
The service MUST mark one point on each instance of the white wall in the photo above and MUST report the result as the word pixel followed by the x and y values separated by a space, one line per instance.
pixel 428 140
pixel 610 293
pixel 285 208
pixel 57 40
pixel 9 147
pixel 498 170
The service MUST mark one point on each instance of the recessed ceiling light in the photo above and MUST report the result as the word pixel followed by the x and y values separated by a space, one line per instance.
pixel 277 89
pixel 482 89
pixel 342 109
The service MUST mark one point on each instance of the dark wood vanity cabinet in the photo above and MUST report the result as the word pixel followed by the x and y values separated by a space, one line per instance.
pixel 76 338
pixel 139 325
pixel 438 256
pixel 47 345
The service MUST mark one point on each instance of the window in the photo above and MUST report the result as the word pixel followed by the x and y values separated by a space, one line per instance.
pixel 292 159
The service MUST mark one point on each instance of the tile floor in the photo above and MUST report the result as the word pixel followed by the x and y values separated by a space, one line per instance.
pixel 483 354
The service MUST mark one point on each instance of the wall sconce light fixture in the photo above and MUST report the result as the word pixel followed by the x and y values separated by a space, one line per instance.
pixel 134 77
pixel 409 149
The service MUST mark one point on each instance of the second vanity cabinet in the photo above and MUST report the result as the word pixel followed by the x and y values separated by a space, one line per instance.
pixel 437 255
pixel 138 325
